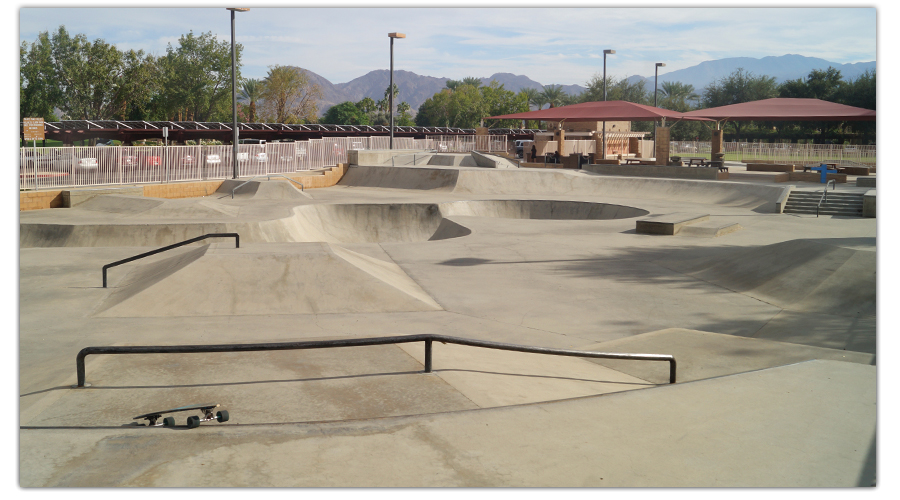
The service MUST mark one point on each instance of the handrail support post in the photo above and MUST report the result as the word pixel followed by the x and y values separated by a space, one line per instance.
pixel 427 356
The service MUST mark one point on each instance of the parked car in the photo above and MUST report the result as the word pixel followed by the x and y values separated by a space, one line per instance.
pixel 213 160
pixel 130 161
pixel 88 164
pixel 153 161
pixel 261 157
pixel 520 148
pixel 188 160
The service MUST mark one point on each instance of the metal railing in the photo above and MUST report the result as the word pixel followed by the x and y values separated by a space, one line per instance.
pixel 83 166
pixel 824 198
pixel 428 339
pixel 237 244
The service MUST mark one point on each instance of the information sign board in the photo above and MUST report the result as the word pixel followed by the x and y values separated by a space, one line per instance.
pixel 34 129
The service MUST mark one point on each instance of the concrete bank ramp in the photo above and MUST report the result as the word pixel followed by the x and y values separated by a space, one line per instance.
pixel 262 280
pixel 525 181
pixel 367 223
pixel 274 189
pixel 120 204
pixel 702 355
pixel 540 209
pixel 816 276
pixel 452 160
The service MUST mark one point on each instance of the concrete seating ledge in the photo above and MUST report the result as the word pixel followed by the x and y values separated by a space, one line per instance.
pixel 668 224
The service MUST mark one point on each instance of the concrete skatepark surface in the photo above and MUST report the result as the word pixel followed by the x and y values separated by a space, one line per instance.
pixel 773 327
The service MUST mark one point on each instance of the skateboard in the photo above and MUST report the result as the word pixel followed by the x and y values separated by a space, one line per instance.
pixel 193 421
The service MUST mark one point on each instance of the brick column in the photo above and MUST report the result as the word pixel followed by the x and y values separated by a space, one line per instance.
pixel 634 146
pixel 662 145
pixel 716 141
pixel 560 136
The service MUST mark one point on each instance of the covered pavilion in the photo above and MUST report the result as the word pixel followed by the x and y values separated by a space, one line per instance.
pixel 608 111
pixel 779 109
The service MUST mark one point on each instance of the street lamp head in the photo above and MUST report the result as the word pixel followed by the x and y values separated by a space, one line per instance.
pixel 609 51
pixel 396 35
pixel 660 65
pixel 237 9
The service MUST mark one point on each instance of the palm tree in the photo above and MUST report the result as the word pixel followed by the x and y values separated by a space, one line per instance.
pixel 452 84
pixel 251 89
pixel 531 94
pixel 553 94
pixel 471 80
pixel 676 95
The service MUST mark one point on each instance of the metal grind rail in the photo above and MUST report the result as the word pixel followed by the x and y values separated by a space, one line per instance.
pixel 323 344
pixel 237 244
pixel 824 197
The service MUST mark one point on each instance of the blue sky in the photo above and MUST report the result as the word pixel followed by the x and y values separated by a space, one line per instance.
pixel 562 45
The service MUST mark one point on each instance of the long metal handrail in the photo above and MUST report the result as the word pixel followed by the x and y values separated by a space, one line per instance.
pixel 268 177
pixel 824 197
pixel 321 344
pixel 237 244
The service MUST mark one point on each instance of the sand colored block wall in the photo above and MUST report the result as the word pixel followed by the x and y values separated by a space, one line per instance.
pixel 37 200
pixel 182 189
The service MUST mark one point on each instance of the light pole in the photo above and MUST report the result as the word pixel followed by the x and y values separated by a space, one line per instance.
pixel 234 122
pixel 605 51
pixel 655 78
pixel 392 36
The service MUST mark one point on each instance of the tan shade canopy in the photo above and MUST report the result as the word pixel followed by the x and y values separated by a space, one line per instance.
pixel 611 111
pixel 786 109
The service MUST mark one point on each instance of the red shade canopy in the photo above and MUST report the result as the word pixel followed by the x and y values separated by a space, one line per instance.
pixel 611 111
pixel 784 109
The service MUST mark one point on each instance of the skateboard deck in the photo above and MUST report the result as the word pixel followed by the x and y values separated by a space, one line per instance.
pixel 206 409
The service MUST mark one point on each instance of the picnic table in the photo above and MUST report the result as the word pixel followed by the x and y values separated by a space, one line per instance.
pixel 831 166
pixel 695 160
pixel 633 161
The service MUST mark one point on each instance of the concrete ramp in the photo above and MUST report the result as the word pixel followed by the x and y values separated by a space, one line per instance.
pixel 702 355
pixel 274 189
pixel 120 204
pixel 540 209
pixel 299 279
pixel 816 276
pixel 419 178
pixel 363 223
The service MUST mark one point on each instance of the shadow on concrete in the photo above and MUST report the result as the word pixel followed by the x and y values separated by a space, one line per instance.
pixel 648 384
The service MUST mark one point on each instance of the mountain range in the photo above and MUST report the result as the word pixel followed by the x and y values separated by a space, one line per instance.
pixel 415 89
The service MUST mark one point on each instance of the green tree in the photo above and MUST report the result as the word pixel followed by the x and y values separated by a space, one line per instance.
pixel 39 90
pixel 435 111
pixel 197 78
pixel 819 84
pixel 740 86
pixel 367 105
pixel 530 96
pixel 288 96
pixel 345 113
pixel 453 84
pixel 251 89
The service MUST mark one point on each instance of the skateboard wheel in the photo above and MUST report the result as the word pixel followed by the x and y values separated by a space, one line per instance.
pixel 222 416
pixel 169 422
pixel 193 422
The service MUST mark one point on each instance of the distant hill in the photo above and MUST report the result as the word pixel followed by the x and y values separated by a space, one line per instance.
pixel 415 89
pixel 783 68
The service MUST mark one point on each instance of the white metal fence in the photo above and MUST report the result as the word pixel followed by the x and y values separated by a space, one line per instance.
pixel 47 168
pixel 780 152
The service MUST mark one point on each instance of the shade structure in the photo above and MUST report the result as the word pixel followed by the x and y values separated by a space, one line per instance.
pixel 611 111
pixel 786 109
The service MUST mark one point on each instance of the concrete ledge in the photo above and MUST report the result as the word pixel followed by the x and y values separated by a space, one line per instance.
pixel 658 171
pixel 869 204
pixel 815 177
pixel 782 200
pixel 378 156
pixel 711 229
pixel 770 167
pixel 71 198
pixel 865 182
pixel 668 224
pixel 855 170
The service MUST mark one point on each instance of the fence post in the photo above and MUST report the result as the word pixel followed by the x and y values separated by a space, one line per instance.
pixel 427 356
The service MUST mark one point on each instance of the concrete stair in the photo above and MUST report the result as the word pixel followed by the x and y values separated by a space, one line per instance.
pixel 843 204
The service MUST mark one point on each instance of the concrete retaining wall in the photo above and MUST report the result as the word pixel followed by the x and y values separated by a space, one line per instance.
pixel 770 167
pixel 377 156
pixel 63 198
pixel 869 204
pixel 659 171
